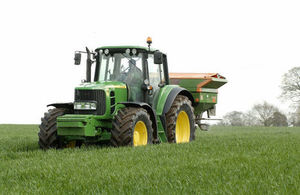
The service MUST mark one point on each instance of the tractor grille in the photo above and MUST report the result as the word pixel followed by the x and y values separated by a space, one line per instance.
pixel 94 95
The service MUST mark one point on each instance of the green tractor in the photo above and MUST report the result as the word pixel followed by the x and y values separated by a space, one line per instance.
pixel 131 101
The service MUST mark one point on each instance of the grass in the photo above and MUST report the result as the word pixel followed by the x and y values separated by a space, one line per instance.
pixel 225 160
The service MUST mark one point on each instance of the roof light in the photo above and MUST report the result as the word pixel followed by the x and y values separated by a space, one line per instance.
pixel 106 51
pixel 149 40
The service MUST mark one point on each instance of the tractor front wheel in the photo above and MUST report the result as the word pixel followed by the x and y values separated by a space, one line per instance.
pixel 48 131
pixel 180 121
pixel 131 127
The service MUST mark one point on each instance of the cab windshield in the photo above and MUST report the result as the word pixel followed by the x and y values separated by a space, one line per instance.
pixel 120 67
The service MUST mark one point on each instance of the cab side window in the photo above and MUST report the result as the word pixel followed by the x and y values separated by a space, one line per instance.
pixel 156 72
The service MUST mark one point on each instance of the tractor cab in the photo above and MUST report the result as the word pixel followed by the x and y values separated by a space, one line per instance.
pixel 143 70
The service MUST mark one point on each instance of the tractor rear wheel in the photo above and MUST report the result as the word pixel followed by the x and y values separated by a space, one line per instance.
pixel 48 131
pixel 131 127
pixel 180 121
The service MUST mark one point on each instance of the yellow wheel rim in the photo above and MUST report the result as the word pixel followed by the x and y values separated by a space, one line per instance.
pixel 140 136
pixel 182 130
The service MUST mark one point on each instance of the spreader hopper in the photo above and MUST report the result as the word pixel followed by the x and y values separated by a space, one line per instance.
pixel 203 86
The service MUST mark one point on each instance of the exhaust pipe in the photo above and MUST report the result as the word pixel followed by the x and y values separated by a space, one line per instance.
pixel 88 65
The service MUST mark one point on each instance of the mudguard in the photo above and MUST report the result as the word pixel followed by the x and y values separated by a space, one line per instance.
pixel 173 94
pixel 149 110
pixel 167 98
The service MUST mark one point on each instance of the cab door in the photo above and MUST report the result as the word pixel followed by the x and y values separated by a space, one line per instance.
pixel 156 78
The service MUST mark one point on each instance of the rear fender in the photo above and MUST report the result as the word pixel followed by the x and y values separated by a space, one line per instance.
pixel 173 94
pixel 167 98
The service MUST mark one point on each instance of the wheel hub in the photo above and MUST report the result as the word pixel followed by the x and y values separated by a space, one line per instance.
pixel 182 130
pixel 140 134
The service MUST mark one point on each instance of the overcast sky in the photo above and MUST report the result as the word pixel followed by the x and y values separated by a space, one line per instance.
pixel 251 43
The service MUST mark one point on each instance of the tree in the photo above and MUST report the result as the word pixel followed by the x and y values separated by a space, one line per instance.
pixel 279 119
pixel 264 112
pixel 233 118
pixel 294 117
pixel 249 119
pixel 290 85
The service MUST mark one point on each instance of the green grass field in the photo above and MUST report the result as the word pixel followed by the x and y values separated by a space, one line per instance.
pixel 225 160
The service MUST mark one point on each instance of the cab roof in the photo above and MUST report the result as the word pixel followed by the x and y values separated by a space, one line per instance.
pixel 127 47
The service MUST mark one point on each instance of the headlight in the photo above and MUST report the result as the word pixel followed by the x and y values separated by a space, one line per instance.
pixel 85 106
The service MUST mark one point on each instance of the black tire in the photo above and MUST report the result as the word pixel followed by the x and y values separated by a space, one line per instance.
pixel 124 123
pixel 48 131
pixel 181 103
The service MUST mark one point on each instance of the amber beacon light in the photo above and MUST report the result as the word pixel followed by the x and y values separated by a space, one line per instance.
pixel 149 41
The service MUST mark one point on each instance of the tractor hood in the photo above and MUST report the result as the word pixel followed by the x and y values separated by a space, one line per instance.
pixel 102 85
pixel 106 95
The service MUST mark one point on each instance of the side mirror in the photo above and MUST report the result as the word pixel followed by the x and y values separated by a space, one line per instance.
pixel 77 58
pixel 158 57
